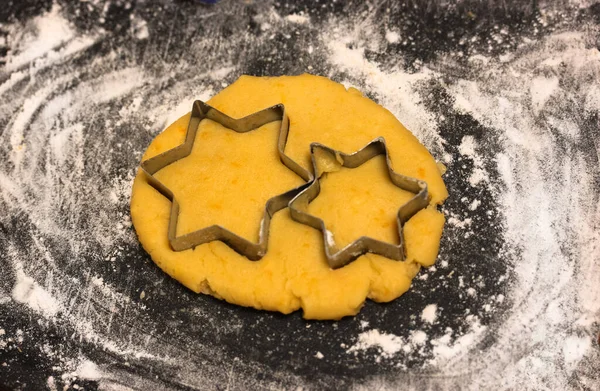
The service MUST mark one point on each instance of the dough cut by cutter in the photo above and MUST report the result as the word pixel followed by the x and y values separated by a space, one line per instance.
pixel 228 177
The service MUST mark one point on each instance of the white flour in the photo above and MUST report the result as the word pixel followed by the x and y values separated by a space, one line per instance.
pixel 547 195
pixel 298 18
pixel 43 34
pixel 547 199
pixel 387 343
pixel 429 314
pixel 27 291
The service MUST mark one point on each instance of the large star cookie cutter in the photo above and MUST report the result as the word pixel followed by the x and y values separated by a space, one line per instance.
pixel 338 258
pixel 201 111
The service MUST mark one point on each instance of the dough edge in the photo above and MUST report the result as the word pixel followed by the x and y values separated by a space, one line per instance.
pixel 322 293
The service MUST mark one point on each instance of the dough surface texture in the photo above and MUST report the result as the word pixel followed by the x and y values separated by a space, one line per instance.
pixel 228 177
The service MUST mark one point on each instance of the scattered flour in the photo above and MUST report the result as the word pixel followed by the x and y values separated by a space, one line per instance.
pixel 467 148
pixel 45 40
pixel 418 337
pixel 394 89
pixel 298 18
pixel 429 313
pixel 474 205
pixel 389 344
pixel 446 348
pixel 42 34
pixel 51 384
pixel 88 370
pixel 554 310
pixel 542 213
pixel 140 27
pixel 392 36
pixel 27 291
pixel 575 348
pixel 542 89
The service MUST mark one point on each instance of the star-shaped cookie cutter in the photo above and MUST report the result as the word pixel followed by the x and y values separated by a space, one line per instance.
pixel 201 111
pixel 338 258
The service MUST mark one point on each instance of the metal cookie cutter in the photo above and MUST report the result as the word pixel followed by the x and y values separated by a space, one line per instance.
pixel 336 259
pixel 200 111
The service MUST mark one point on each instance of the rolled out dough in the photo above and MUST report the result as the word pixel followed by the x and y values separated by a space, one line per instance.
pixel 228 178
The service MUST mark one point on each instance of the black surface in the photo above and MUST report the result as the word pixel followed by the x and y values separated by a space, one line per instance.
pixel 275 343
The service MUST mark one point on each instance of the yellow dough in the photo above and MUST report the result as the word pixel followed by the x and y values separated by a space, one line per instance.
pixel 228 177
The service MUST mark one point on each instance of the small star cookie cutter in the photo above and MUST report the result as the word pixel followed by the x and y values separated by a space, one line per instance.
pixel 201 111
pixel 338 258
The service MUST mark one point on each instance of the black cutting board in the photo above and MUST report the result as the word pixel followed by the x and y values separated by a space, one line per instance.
pixel 171 338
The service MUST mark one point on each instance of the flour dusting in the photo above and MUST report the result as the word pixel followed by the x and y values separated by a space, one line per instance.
pixel 27 291
pixel 545 194
pixel 510 109
pixel 429 313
